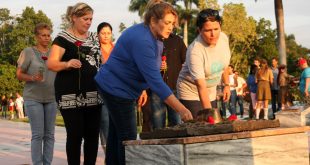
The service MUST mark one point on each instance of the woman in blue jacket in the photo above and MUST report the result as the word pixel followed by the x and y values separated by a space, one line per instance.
pixel 133 66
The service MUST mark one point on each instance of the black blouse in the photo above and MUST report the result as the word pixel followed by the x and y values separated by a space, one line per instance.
pixel 76 88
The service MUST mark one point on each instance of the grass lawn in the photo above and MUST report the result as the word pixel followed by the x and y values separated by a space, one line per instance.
pixel 59 120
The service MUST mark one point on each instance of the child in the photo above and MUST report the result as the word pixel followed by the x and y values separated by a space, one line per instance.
pixel 11 108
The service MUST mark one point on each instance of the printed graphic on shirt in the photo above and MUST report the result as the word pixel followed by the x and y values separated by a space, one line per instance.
pixel 216 73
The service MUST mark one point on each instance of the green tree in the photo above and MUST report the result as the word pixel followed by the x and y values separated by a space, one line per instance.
pixel 241 31
pixel 22 34
pixel 122 27
pixel 5 28
pixel 186 10
pixel 9 83
pixel 265 43
pixel 65 24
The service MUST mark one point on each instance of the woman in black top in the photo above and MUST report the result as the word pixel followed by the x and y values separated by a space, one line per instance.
pixel 75 56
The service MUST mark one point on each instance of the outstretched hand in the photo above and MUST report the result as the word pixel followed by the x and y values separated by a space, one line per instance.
pixel 186 115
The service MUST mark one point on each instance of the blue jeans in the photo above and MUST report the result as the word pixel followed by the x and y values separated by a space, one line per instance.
pixel 122 126
pixel 232 102
pixel 240 103
pixel 42 118
pixel 159 109
pixel 104 125
pixel 274 101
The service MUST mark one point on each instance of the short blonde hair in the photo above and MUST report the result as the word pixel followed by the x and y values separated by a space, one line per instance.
pixel 158 9
pixel 78 10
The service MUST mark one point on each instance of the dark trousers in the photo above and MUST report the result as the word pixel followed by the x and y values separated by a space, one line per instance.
pixel 122 126
pixel 194 106
pixel 147 114
pixel 274 101
pixel 240 103
pixel 82 124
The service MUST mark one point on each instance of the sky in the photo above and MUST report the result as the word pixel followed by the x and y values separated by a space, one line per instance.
pixel 296 13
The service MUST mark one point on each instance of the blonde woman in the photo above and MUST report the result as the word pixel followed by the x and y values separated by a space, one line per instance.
pixel 75 56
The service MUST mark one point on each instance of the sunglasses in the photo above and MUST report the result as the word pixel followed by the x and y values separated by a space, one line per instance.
pixel 206 14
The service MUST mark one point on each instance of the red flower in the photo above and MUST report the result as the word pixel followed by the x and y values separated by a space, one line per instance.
pixel 78 43
pixel 163 58
pixel 44 58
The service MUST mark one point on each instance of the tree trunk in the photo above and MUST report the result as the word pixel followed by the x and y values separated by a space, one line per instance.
pixel 185 37
pixel 280 31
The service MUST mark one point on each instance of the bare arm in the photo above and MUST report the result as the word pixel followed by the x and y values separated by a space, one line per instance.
pixel 22 76
pixel 226 90
pixel 143 98
pixel 54 63
pixel 175 104
pixel 307 86
pixel 203 93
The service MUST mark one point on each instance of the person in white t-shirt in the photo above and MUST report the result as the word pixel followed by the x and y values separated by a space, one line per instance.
pixel 240 89
pixel 206 63
pixel 19 102
pixel 233 83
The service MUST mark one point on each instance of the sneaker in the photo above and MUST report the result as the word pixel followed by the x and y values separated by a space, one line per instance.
pixel 232 117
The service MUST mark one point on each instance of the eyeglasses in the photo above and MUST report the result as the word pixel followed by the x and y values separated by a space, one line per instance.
pixel 205 14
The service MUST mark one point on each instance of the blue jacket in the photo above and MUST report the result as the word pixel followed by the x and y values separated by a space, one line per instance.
pixel 251 83
pixel 134 65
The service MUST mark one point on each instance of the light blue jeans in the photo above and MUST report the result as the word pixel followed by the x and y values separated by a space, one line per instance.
pixel 42 118
pixel 104 125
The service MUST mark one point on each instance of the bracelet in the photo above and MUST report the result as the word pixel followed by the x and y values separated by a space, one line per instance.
pixel 226 85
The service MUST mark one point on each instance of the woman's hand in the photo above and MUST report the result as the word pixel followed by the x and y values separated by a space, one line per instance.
pixel 74 63
pixel 142 99
pixel 37 77
pixel 186 115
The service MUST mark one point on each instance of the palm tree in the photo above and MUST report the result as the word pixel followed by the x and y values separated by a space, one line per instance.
pixel 280 30
pixel 278 8
pixel 186 14
pixel 138 5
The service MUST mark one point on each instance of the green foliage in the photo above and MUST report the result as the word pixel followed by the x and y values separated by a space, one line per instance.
pixel 9 83
pixel 241 31
pixel 65 24
pixel 265 44
pixel 122 27
pixel 22 34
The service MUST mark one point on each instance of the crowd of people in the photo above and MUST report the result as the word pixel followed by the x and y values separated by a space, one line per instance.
pixel 11 106
pixel 98 85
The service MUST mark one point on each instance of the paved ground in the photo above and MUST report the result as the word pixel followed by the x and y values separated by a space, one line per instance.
pixel 15 144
